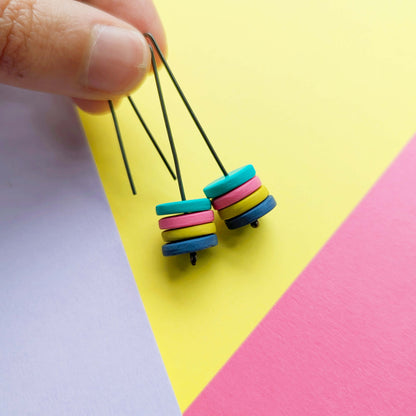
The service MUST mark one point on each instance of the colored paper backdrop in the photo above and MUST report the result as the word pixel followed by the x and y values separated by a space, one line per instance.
pixel 341 341
pixel 319 96
pixel 74 336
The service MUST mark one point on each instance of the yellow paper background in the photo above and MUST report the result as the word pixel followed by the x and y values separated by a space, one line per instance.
pixel 318 95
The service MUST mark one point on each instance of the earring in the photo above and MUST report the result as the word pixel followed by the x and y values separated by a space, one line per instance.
pixel 193 229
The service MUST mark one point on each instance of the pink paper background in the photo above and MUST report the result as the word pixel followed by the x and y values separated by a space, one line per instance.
pixel 342 340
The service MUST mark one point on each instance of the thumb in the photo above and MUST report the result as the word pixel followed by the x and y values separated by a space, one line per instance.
pixel 69 48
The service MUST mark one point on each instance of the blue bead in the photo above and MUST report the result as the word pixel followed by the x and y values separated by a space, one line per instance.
pixel 190 246
pixel 227 183
pixel 252 215
pixel 181 207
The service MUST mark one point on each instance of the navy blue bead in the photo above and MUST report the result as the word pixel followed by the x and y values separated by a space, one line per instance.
pixel 190 246
pixel 252 215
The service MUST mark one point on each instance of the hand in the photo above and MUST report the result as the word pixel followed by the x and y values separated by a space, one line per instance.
pixel 92 50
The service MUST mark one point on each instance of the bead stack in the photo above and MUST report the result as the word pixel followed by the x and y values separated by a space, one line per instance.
pixel 240 198
pixel 191 231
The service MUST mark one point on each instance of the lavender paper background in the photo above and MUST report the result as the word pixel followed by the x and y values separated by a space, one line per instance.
pixel 74 336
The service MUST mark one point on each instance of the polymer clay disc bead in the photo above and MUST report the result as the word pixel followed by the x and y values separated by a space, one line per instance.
pixel 180 207
pixel 245 204
pixel 228 183
pixel 236 194
pixel 186 220
pixel 252 215
pixel 190 246
pixel 188 232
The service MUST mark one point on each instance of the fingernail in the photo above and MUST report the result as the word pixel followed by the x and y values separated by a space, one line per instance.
pixel 118 59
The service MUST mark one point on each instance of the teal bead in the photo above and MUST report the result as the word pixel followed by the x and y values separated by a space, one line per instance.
pixel 181 207
pixel 252 215
pixel 190 246
pixel 231 181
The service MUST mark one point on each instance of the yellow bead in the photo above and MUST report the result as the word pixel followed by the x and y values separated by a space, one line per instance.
pixel 188 232
pixel 245 204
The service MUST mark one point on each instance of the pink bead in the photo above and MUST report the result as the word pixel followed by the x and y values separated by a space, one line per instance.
pixel 186 220
pixel 236 194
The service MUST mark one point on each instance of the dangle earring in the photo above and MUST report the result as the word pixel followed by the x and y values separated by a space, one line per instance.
pixel 239 196
pixel 190 228
pixel 194 229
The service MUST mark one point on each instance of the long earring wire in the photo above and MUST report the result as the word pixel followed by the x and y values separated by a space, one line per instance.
pixel 167 125
pixel 152 139
pixel 187 105
pixel 120 142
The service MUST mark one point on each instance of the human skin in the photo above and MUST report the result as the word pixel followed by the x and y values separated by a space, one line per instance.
pixel 91 50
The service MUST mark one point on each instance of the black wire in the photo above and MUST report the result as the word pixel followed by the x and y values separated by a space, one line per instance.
pixel 120 142
pixel 151 137
pixel 187 105
pixel 168 129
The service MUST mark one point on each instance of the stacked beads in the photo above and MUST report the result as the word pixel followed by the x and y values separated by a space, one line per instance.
pixel 190 231
pixel 240 198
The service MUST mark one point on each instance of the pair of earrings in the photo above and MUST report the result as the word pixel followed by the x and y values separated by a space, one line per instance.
pixel 238 196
